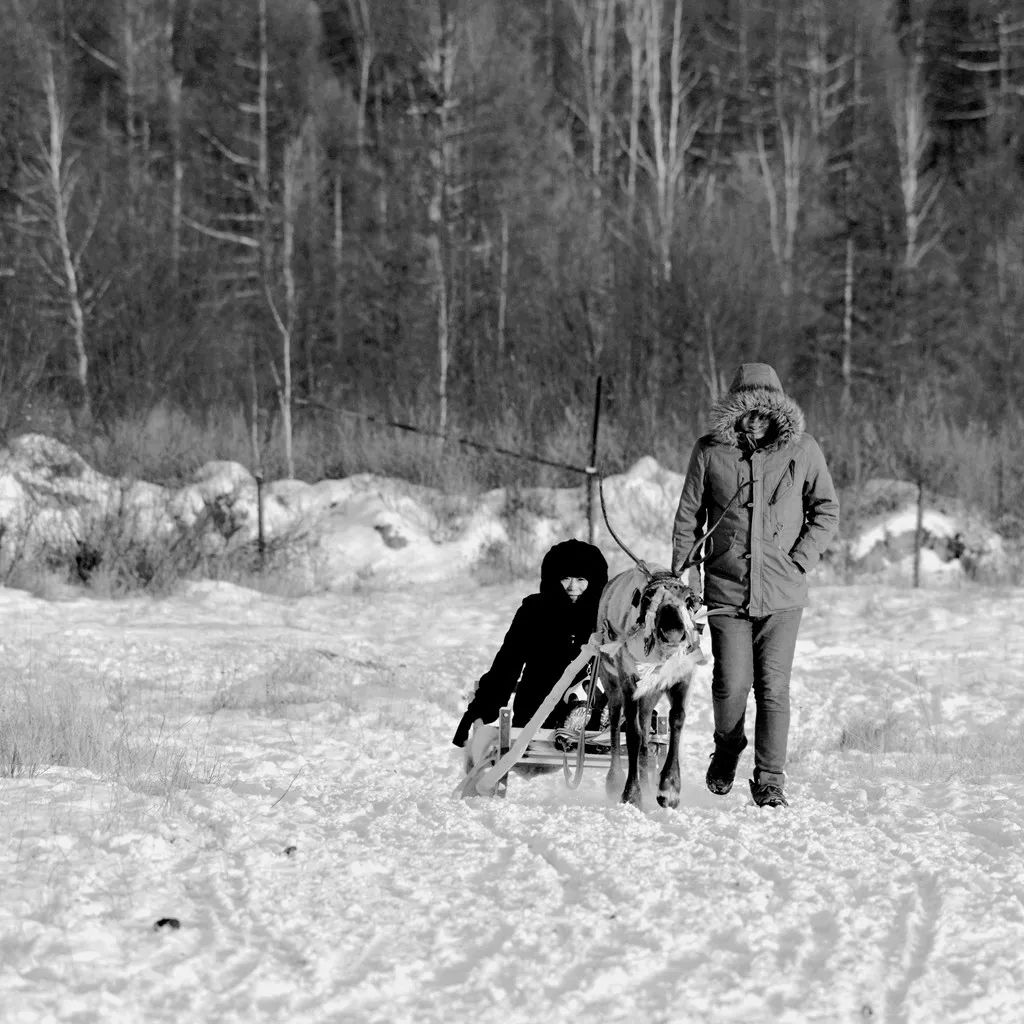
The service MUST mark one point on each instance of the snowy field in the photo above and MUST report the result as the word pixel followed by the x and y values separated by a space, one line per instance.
pixel 278 841
pixel 321 871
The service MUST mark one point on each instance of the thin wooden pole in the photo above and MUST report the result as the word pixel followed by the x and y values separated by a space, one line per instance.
pixel 592 464
pixel 261 543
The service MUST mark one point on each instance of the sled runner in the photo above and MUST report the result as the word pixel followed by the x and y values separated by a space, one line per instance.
pixel 499 748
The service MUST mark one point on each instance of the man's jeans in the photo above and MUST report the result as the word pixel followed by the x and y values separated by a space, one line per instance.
pixel 754 653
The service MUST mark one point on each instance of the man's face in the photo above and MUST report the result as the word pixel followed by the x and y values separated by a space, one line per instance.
pixel 574 586
pixel 753 423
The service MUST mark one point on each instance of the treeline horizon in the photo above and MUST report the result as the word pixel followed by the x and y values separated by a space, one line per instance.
pixel 461 213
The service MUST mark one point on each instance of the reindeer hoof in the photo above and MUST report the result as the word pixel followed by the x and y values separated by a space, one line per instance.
pixel 669 798
pixel 633 797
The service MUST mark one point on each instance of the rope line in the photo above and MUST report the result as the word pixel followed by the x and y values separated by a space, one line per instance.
pixel 426 432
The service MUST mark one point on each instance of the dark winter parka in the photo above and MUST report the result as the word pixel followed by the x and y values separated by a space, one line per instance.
pixel 547 633
pixel 786 511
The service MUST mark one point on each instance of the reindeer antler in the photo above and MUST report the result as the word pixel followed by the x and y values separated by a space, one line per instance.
pixel 689 561
pixel 638 562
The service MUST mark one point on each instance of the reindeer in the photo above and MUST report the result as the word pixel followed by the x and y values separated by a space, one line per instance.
pixel 651 646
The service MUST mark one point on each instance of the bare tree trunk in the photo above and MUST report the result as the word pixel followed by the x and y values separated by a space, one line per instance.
pixel 254 411
pixel 806 99
pixel 635 36
pixel 713 377
pixel 918 533
pixel 130 91
pixel 503 284
pixel 920 187
pixel 178 173
pixel 174 87
pixel 60 192
pixel 263 139
pixel 442 65
pixel 846 356
pixel 549 48
pixel 443 340
pixel 359 11
pixel 338 254
pixel 285 323
pixel 849 271
pixel 596 20
pixel 784 202
pixel 711 171
pixel 672 132
pixel 292 156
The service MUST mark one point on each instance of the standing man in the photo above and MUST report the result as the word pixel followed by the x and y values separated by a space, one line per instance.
pixel 766 478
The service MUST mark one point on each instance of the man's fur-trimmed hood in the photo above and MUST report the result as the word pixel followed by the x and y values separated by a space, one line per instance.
pixel 787 418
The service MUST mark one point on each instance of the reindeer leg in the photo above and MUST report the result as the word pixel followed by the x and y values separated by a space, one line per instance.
pixel 668 786
pixel 610 679
pixel 613 780
pixel 631 793
pixel 645 766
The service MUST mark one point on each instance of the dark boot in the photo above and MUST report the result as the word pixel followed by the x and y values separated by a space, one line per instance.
pixel 722 769
pixel 768 794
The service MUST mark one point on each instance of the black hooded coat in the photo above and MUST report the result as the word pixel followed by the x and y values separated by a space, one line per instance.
pixel 546 633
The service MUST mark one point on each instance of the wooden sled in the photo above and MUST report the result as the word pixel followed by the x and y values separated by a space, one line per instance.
pixel 503 747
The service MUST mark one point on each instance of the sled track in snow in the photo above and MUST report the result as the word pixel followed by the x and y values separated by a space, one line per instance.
pixel 911 943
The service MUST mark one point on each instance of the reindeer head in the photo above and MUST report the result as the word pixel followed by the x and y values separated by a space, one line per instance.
pixel 667 607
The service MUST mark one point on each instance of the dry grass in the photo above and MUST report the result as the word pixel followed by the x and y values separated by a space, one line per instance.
pixel 51 718
pixel 899 747
pixel 165 445
pixel 301 677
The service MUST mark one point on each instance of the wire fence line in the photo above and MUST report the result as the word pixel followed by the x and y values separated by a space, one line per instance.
pixel 468 442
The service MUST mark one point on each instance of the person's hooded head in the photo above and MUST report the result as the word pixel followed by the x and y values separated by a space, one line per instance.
pixel 756 412
pixel 567 563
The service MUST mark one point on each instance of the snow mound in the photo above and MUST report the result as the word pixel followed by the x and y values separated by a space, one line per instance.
pixel 341 532
pixel 955 541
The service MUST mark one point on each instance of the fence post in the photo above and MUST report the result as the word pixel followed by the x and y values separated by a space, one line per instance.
pixel 591 468
pixel 261 545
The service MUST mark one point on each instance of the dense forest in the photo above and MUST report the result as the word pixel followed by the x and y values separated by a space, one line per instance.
pixel 460 213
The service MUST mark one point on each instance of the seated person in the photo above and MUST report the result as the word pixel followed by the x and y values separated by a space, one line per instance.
pixel 546 634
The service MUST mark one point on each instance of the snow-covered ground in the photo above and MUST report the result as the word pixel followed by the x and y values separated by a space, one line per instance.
pixel 319 869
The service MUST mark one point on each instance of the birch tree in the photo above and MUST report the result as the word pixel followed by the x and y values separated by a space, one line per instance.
pixel 60 222
pixel 920 187
pixel 595 61
pixel 906 91
pixel 173 83
pixel 440 117
pixel 672 120
pixel 298 182
pixel 851 170
pixel 256 220
pixel 996 56
pixel 790 134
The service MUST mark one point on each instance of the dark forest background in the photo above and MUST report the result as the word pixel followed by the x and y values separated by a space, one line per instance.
pixel 231 224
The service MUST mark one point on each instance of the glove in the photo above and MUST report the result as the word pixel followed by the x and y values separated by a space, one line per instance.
pixel 693 601
pixel 465 725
